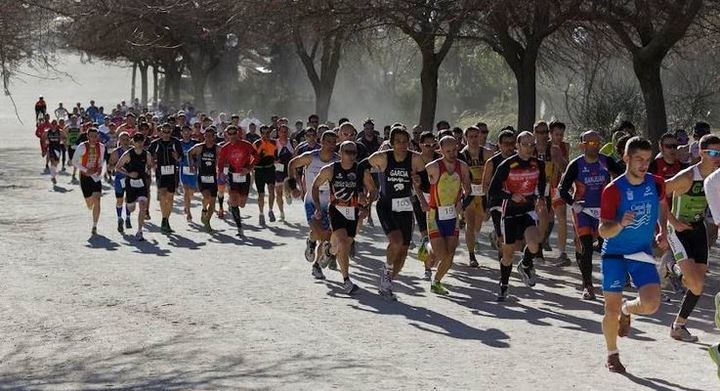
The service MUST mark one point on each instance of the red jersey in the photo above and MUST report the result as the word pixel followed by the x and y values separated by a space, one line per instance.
pixel 238 156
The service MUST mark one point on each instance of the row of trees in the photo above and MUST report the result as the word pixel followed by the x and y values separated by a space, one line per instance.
pixel 213 41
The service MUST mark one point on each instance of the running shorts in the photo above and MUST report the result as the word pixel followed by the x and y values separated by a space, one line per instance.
pixel 187 178
pixel 264 176
pixel 689 244
pixel 310 214
pixel 212 187
pixel 338 221
pixel 615 269
pixel 54 152
pixel 89 186
pixel 239 187
pixel 441 228
pixel 280 176
pixel 135 190
pixel 513 227
pixel 119 186
pixel 167 182
pixel 395 221
pixel 585 224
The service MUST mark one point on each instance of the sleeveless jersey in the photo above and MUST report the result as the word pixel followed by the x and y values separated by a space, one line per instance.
pixel 446 191
pixel 311 172
pixel 72 136
pixel 208 161
pixel 53 138
pixel 137 162
pixel 119 151
pixel 184 160
pixel 691 206
pixel 397 182
pixel 266 151
pixel 344 185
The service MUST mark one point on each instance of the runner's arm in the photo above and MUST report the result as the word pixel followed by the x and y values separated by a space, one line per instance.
pixel 567 181
pixel 122 161
pixel 495 191
pixel 680 183
pixel 298 162
pixel 77 158
pixel 487 176
pixel 610 201
pixel 323 177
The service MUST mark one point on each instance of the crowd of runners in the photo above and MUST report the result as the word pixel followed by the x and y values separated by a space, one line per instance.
pixel 648 216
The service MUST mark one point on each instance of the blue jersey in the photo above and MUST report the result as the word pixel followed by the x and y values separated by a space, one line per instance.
pixel 186 146
pixel 644 199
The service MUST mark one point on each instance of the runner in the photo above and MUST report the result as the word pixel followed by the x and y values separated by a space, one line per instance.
pixel 313 162
pixel 589 173
pixel 347 205
pixel 687 234
pixel 52 139
pixel 475 156
pixel 89 160
pixel 631 206
pixel 166 152
pixel 40 108
pixel 519 182
pixel 265 172
pixel 712 192
pixel 400 168
pixel 428 146
pixel 203 161
pixel 546 222
pixel 220 140
pixel 449 179
pixel 283 155
pixel 506 144
pixel 119 182
pixel 42 126
pixel 557 210
pixel 129 125
pixel 72 133
pixel 187 176
pixel 135 165
pixel 238 156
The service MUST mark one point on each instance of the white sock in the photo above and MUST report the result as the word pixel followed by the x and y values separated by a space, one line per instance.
pixel 611 352
pixel 624 309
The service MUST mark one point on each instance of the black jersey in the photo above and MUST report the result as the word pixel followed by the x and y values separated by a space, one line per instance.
pixel 344 185
pixel 208 161
pixel 137 162
pixel 397 180
pixel 162 151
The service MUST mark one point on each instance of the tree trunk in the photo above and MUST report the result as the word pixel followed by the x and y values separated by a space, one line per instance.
pixel 323 94
pixel 199 79
pixel 429 84
pixel 526 84
pixel 143 83
pixel 648 74
pixel 156 84
pixel 134 79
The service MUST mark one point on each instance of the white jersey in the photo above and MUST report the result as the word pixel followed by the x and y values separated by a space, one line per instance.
pixel 712 193
pixel 311 172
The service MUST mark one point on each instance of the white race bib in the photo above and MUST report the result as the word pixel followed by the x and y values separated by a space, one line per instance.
pixel 446 212
pixel 592 212
pixel 402 205
pixel 96 178
pixel 348 212
pixel 324 187
pixel 167 170
pixel 476 190
pixel 641 256
pixel 186 170
pixel 226 170
pixel 137 183
pixel 279 167
pixel 207 179
pixel 122 183
pixel 237 178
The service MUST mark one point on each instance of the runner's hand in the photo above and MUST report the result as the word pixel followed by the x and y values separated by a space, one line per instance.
pixel 661 240
pixel 363 213
pixel 627 219
pixel 680 226
pixel 518 198
pixel 578 206
pixel 318 214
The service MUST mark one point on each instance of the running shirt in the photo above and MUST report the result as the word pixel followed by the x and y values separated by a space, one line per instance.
pixel 621 196
pixel 208 161
pixel 312 170
pixel 425 180
pixel 136 163
pixel 266 149
pixel 664 169
pixel 589 180
pixel 184 161
pixel 496 159
pixel 89 156
pixel 344 185
pixel 283 155
pixel 162 151
pixel 397 181
pixel 119 151
pixel 53 137
pixel 691 207
pixel 73 134
pixel 446 191
pixel 476 166
pixel 238 156
pixel 515 175
pixel 712 192
pixel 305 147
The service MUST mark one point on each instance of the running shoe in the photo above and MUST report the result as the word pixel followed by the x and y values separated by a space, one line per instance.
pixel 54 181
pixel 93 232
pixel 503 293
pixel 128 224
pixel 385 281
pixel 539 257
pixel 473 261
pixel 681 333
pixel 63 169
pixel 261 220
pixel 325 255
pixel 121 227
pixel 588 293
pixel 74 181
pixel 613 363
pixel 562 261
pixel 147 215
pixel 411 245
pixel 349 287
pixel 271 216
pixel 317 272
pixel 624 329
pixel 139 236
pixel 310 250
pixel 46 170
pixel 428 275
pixel 714 352
pixel 527 274
pixel 546 246
pixel 439 289
pixel 422 250
pixel 282 216
pixel 207 227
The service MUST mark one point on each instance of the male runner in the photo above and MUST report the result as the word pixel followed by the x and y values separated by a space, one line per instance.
pixel 631 207
pixel 72 133
pixel 187 177
pixel 687 234
pixel 135 165
pixel 265 172
pixel 712 192
pixel 475 156
pixel 554 168
pixel 520 183
pixel 89 159
pixel 506 144
pixel 203 161
pixel 52 138
pixel 119 182
pixel 428 153
pixel 166 152
pixel 239 156
pixel 449 178
pixel 283 154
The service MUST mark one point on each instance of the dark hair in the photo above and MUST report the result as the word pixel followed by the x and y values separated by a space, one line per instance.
pixel 701 128
pixel 442 125
pixel 472 129
pixel 666 136
pixel 457 129
pixel 708 140
pixel 480 125
pixel 326 134
pixel 313 116
pixel 556 124
pixel 426 135
pixel 138 137
pixel 506 133
pixel 368 121
pixel 187 127
pixel 144 125
pixel 398 131
pixel 637 143
pixel 343 120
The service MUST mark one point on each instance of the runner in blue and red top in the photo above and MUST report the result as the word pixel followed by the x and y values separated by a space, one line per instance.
pixel 587 175
pixel 631 207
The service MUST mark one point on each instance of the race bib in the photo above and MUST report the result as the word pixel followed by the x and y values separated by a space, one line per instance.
pixel 237 178
pixel 446 212
pixel 402 205
pixel 226 170
pixel 186 170
pixel 207 179
pixel 96 178
pixel 137 183
pixel 324 187
pixel 348 212
pixel 279 167
pixel 592 212
pixel 167 170
pixel 476 190
pixel 427 197
pixel 122 184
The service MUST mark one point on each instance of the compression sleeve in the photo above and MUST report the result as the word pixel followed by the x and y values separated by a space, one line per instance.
pixel 566 182
pixel 496 190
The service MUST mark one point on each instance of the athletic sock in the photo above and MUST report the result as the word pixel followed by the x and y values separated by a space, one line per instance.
pixel 505 272
pixel 127 212
pixel 527 258
pixel 221 199
pixel 585 260
pixel 688 304
pixel 236 215
pixel 118 210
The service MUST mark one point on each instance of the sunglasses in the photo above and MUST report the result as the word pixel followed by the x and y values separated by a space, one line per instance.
pixel 232 132
pixel 592 143
pixel 670 146
pixel 712 152
pixel 430 145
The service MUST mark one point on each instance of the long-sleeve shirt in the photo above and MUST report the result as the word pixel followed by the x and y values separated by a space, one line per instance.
pixel 515 175
pixel 589 180
pixel 238 156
